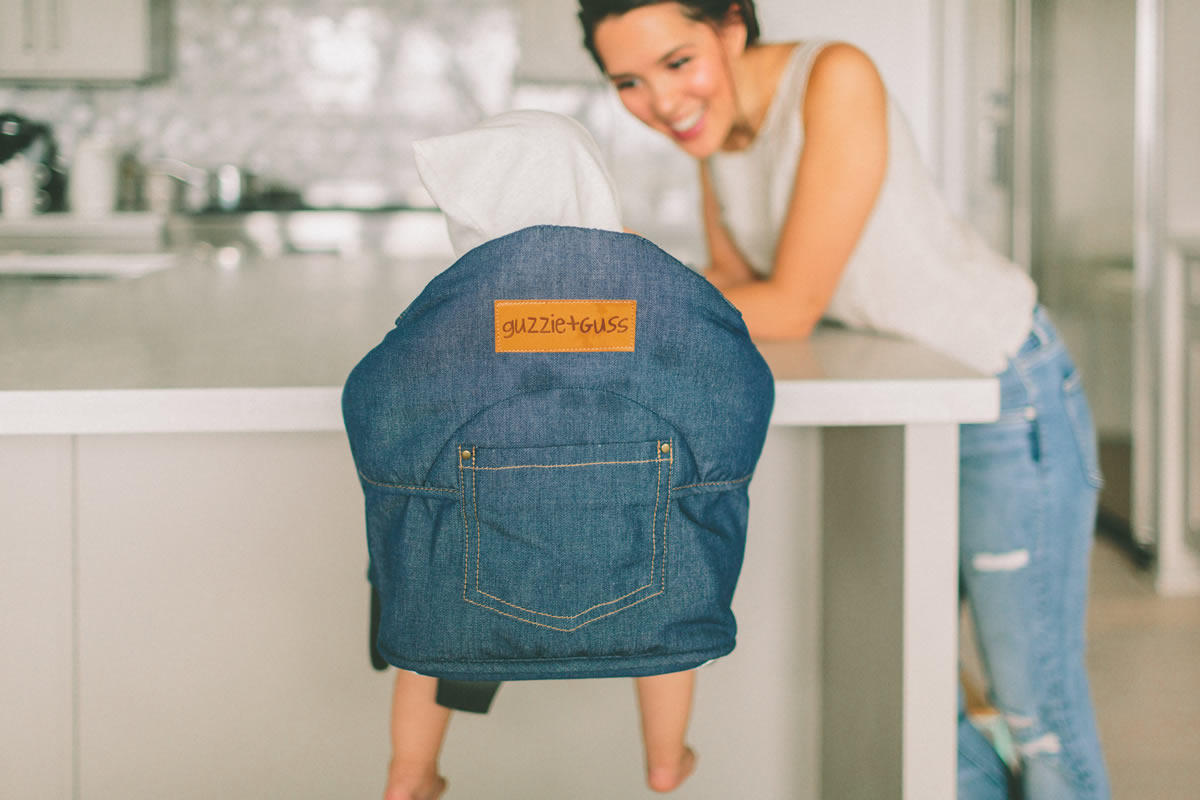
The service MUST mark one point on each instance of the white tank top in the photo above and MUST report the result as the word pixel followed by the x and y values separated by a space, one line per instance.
pixel 917 271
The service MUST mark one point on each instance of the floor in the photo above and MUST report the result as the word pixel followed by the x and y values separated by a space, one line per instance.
pixel 1144 657
pixel 1144 662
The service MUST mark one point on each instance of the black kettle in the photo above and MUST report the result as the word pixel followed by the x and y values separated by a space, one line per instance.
pixel 35 141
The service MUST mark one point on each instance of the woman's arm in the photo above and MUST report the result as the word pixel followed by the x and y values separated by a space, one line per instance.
pixel 727 267
pixel 838 178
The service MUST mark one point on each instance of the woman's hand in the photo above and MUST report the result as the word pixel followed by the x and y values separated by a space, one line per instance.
pixel 838 178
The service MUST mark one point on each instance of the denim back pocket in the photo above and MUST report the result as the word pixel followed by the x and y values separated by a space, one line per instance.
pixel 562 536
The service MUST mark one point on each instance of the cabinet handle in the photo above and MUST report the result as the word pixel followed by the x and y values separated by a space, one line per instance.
pixel 55 25
pixel 1000 172
pixel 27 41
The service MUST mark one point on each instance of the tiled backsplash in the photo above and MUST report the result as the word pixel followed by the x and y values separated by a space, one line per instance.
pixel 311 93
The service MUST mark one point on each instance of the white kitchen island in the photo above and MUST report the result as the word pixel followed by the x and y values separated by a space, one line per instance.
pixel 183 602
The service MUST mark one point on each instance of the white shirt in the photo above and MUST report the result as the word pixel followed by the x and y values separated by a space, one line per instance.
pixel 917 271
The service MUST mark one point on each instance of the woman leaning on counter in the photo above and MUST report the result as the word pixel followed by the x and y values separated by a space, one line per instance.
pixel 816 205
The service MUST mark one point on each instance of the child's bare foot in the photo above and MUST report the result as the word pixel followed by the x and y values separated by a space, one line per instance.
pixel 406 784
pixel 668 777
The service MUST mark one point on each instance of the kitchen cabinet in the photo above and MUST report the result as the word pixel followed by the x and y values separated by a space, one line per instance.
pixel 185 616
pixel 220 617
pixel 83 40
pixel 222 620
pixel 36 606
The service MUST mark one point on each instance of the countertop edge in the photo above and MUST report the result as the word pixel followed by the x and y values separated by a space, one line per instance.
pixel 206 410
pixel 805 402
pixel 830 403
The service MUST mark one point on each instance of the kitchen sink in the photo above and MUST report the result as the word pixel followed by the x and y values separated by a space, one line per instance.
pixel 83 265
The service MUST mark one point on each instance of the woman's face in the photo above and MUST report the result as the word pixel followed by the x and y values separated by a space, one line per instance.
pixel 673 73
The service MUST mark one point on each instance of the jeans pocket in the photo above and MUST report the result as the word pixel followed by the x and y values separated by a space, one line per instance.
pixel 1083 426
pixel 562 536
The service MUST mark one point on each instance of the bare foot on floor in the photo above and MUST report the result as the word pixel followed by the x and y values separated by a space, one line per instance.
pixel 668 778
pixel 409 786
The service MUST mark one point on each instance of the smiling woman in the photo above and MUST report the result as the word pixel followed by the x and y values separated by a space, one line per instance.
pixel 686 91
pixel 816 206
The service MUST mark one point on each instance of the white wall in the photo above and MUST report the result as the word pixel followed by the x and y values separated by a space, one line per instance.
pixel 902 36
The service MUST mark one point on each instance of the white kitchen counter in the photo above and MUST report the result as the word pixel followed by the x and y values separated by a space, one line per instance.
pixel 266 347
pixel 179 520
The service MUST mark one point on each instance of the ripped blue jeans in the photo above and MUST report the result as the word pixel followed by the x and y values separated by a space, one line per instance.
pixel 1028 494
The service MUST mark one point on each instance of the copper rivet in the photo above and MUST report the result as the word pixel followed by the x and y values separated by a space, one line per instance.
pixel 666 447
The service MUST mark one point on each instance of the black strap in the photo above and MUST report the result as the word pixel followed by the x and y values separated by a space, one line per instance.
pixel 377 659
pixel 473 696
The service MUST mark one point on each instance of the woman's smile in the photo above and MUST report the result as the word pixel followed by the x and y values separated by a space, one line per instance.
pixel 689 127
pixel 672 73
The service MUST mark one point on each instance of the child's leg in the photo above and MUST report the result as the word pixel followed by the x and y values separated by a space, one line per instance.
pixel 666 703
pixel 418 727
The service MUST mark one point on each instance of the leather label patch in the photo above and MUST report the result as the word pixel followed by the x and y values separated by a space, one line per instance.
pixel 565 326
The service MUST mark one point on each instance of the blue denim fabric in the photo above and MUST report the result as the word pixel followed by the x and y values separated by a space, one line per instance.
pixel 558 515
pixel 982 774
pixel 1029 486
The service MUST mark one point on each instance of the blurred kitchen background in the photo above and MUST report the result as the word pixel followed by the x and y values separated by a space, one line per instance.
pixel 315 101
pixel 1064 129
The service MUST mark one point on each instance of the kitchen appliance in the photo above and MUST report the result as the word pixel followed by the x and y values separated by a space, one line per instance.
pixel 92 191
pixel 173 186
pixel 233 188
pixel 34 142
pixel 18 187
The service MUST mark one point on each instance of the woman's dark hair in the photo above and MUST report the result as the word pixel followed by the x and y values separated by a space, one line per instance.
pixel 593 12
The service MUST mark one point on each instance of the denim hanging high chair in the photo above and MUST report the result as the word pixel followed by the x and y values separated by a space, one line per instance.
pixel 555 444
